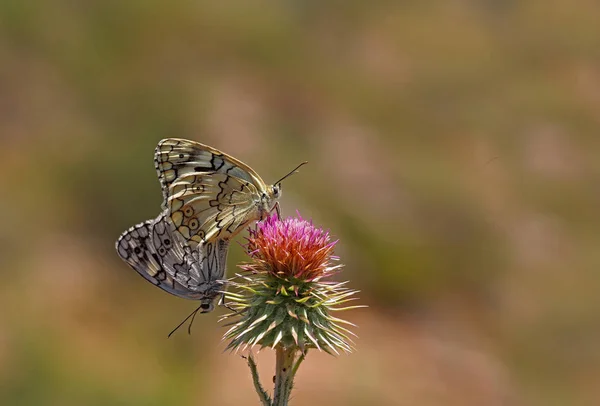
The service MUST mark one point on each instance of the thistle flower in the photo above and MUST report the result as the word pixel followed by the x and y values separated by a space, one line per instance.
pixel 283 300
pixel 282 296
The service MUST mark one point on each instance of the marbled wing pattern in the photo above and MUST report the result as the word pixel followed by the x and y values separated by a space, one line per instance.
pixel 160 255
pixel 209 194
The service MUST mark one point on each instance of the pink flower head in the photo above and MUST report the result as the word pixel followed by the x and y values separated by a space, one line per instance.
pixel 291 248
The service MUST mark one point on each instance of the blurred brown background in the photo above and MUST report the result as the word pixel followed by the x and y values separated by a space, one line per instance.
pixel 453 148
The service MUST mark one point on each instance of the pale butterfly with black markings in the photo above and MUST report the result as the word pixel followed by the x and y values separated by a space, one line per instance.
pixel 158 253
pixel 211 195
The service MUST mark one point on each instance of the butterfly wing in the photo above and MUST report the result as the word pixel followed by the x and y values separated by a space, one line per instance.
pixel 213 260
pixel 136 248
pixel 210 206
pixel 174 158
pixel 161 256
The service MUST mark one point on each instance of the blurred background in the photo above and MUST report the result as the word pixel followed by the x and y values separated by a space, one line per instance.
pixel 453 149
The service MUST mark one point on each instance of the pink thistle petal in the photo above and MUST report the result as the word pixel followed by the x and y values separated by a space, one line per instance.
pixel 292 247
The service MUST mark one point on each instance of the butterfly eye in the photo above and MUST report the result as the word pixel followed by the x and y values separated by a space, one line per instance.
pixel 276 191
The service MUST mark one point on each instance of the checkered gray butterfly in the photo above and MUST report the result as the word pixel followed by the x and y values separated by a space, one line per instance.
pixel 159 254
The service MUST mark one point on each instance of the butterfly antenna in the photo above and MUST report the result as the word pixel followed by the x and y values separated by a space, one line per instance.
pixel 291 173
pixel 192 322
pixel 192 315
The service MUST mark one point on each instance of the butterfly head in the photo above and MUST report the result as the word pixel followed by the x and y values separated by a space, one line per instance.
pixel 275 190
pixel 207 305
pixel 214 290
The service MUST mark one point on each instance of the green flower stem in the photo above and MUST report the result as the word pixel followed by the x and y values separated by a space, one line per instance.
pixel 286 365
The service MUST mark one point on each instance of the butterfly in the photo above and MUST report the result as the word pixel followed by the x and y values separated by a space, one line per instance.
pixel 208 197
pixel 158 253
pixel 211 195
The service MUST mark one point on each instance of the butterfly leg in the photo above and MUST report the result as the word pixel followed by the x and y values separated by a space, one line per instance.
pixel 278 210
pixel 222 302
